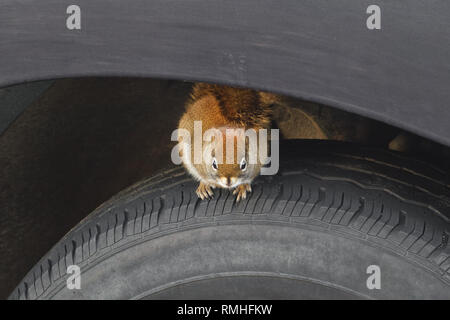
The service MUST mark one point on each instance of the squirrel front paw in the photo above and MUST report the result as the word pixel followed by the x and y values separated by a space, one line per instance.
pixel 241 191
pixel 204 191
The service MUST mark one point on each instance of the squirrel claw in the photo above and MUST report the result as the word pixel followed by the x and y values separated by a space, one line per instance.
pixel 241 191
pixel 204 191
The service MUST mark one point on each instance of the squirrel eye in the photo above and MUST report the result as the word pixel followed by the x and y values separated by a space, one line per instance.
pixel 243 164
pixel 214 164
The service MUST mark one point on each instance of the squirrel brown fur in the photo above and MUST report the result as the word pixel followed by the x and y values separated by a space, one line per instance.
pixel 224 108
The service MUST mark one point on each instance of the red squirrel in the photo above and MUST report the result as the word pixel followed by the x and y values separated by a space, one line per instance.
pixel 223 108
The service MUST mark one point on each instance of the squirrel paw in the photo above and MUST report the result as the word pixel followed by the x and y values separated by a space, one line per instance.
pixel 204 191
pixel 241 191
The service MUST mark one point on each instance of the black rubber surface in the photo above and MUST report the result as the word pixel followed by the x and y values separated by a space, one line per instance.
pixel 318 50
pixel 309 232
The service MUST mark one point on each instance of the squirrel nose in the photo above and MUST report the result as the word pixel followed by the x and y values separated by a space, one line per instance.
pixel 226 181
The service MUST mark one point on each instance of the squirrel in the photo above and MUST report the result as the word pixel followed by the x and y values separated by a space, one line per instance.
pixel 223 108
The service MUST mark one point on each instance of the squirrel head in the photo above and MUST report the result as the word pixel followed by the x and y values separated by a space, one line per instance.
pixel 232 166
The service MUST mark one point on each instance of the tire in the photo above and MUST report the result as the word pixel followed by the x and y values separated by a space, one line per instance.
pixel 311 231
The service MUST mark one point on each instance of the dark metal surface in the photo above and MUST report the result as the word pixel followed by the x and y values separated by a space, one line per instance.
pixel 314 49
pixel 79 143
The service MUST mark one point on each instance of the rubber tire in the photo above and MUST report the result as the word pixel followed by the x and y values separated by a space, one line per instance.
pixel 311 231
